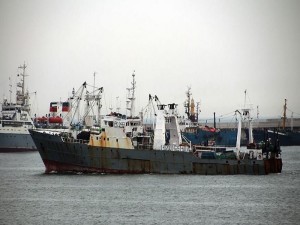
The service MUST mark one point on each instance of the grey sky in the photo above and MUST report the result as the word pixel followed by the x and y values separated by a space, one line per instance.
pixel 219 48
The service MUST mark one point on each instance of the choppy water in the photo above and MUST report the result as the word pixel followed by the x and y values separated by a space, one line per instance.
pixel 28 196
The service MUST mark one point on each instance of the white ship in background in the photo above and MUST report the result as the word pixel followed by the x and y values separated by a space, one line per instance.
pixel 15 120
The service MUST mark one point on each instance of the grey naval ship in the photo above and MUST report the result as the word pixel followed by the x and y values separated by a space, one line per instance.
pixel 119 144
pixel 15 120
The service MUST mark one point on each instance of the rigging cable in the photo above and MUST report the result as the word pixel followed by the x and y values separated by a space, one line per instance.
pixel 292 111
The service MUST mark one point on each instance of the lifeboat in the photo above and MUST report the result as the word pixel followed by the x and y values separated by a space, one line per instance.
pixel 209 129
pixel 41 119
pixel 56 119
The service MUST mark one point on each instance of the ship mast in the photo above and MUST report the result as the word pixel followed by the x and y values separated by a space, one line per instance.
pixel 292 121
pixel 131 97
pixel 99 104
pixel 198 110
pixel 21 98
pixel 98 98
pixel 284 114
pixel 91 99
pixel 246 114
pixel 239 134
pixel 10 91
pixel 188 102
pixel 117 105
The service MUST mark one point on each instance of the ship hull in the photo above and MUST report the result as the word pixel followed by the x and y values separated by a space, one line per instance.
pixel 63 157
pixel 16 142
pixel 289 138
pixel 226 137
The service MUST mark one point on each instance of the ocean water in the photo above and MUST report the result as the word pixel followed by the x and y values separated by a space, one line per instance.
pixel 28 196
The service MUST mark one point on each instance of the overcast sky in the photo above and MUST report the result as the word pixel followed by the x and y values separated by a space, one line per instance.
pixel 218 48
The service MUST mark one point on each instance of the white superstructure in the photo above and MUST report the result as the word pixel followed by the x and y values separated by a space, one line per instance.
pixel 15 120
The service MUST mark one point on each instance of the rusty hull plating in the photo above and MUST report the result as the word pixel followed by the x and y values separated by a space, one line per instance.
pixel 63 157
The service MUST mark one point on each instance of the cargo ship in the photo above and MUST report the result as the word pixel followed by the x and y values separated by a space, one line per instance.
pixel 203 132
pixel 15 120
pixel 123 145
pixel 200 134
pixel 288 136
